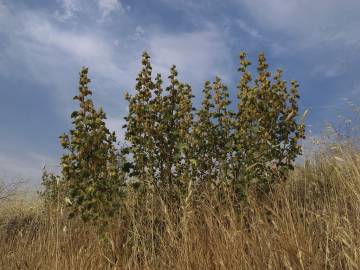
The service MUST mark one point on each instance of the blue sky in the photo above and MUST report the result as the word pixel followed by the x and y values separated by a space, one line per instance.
pixel 44 43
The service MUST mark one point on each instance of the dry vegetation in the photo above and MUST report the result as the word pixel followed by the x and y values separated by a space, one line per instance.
pixel 311 221
pixel 207 188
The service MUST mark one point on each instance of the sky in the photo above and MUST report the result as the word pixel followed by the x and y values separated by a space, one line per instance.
pixel 44 44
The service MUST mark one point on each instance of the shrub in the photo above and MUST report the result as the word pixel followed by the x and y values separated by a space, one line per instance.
pixel 257 143
pixel 52 191
pixel 90 168
pixel 171 149
pixel 212 134
pixel 267 133
pixel 158 128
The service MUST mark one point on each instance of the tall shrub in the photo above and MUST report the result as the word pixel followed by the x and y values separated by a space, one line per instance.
pixel 212 134
pixel 267 131
pixel 90 168
pixel 158 127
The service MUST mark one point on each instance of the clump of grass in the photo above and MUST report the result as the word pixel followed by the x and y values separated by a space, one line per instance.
pixel 311 221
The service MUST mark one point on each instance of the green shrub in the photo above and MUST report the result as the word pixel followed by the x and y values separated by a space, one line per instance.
pixel 267 133
pixel 172 150
pixel 256 144
pixel 52 191
pixel 90 168
pixel 158 128
pixel 211 134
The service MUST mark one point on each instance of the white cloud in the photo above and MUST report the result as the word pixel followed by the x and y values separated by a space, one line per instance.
pixel 41 51
pixel 138 34
pixel 329 71
pixel 310 22
pixel 3 10
pixel 249 29
pixel 85 49
pixel 69 8
pixel 108 6
pixel 277 48
pixel 197 55
pixel 51 54
pixel 187 5
pixel 5 17
pixel 26 166
pixel 41 47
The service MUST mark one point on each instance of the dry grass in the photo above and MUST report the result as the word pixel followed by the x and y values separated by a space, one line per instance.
pixel 310 222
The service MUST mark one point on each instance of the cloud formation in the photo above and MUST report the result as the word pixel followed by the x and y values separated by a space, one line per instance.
pixel 198 55
pixel 26 166
pixel 44 44
pixel 108 6
pixel 309 22
pixel 71 8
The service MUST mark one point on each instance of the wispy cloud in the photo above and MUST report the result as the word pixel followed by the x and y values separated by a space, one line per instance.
pixel 108 6
pixel 310 22
pixel 25 166
pixel 44 45
pixel 329 71
pixel 71 8
pixel 197 54
pixel 249 29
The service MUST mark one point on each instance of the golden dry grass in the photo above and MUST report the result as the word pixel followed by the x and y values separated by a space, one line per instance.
pixel 310 222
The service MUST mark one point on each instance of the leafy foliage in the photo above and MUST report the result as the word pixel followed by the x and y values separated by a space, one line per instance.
pixel 267 133
pixel 53 189
pixel 158 127
pixel 90 168
pixel 257 143
pixel 171 149
pixel 212 134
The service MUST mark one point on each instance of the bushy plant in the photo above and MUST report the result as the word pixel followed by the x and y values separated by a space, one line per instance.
pixel 53 189
pixel 256 144
pixel 158 127
pixel 90 168
pixel 170 149
pixel 267 132
pixel 211 134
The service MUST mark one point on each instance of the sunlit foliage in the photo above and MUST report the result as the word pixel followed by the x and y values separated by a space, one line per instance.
pixel 90 168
